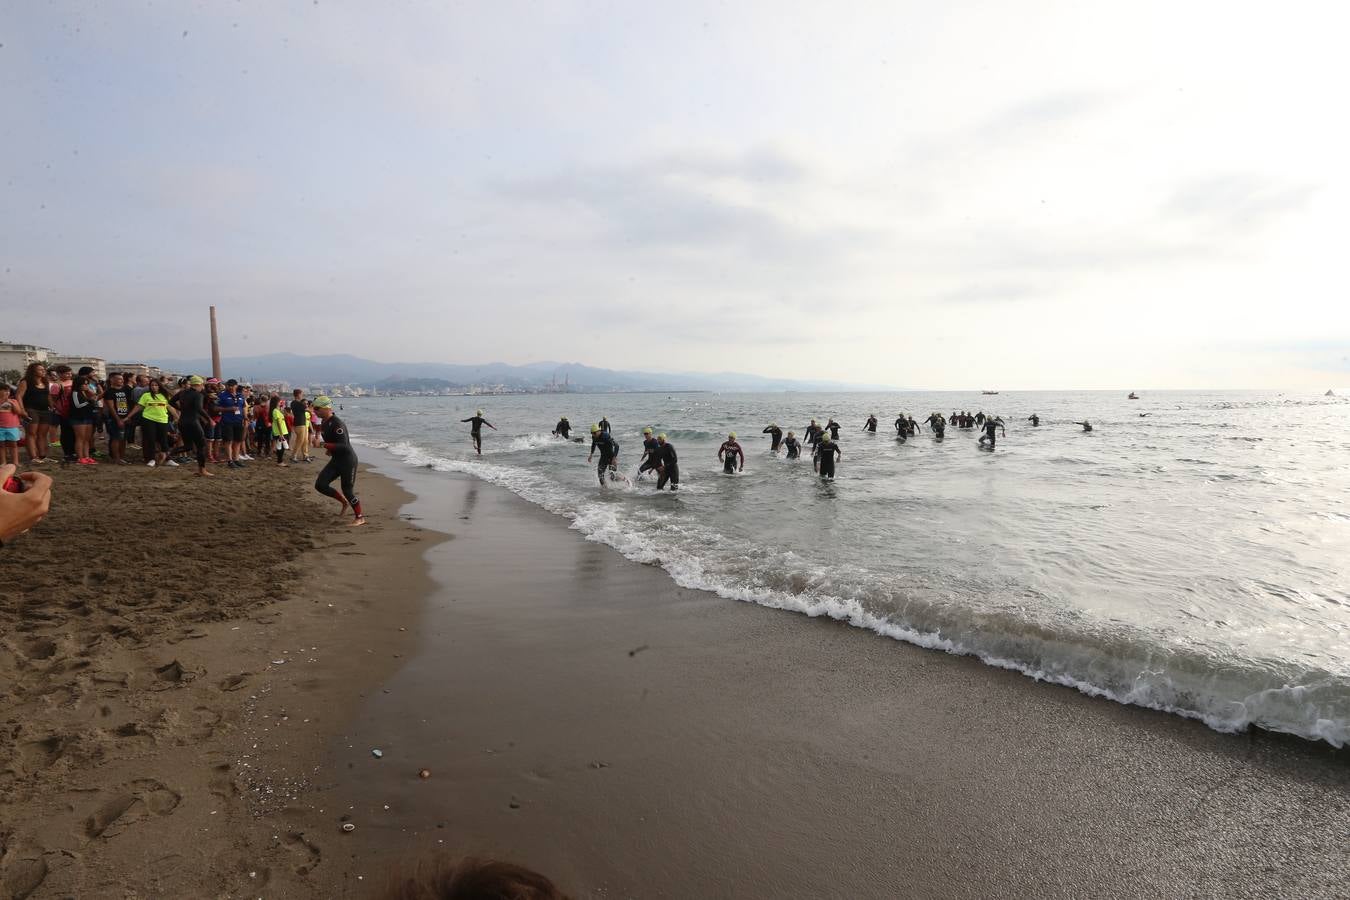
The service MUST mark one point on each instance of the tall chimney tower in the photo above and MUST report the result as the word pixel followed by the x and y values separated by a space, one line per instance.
pixel 215 346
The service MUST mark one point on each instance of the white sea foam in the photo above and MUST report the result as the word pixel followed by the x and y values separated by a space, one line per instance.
pixel 1122 670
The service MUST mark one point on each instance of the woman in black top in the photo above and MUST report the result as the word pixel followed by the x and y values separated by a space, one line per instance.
pixel 35 401
pixel 193 421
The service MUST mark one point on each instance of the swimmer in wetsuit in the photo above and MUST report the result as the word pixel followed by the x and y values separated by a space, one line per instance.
pixel 609 454
pixel 1087 426
pixel 833 427
pixel 794 449
pixel 650 446
pixel 901 427
pixel 341 461
pixel 776 436
pixel 668 464
pixel 604 425
pixel 476 430
pixel 826 453
pixel 193 421
pixel 563 429
pixel 1035 420
pixel 871 424
pixel 990 426
pixel 812 433
pixel 728 454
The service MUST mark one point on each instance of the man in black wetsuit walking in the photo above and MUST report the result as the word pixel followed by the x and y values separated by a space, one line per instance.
pixel 341 460
pixel 812 433
pixel 991 425
pixel 563 429
pixel 609 452
pixel 794 449
pixel 833 427
pixel 668 464
pixel 477 429
pixel 650 447
pixel 729 453
pixel 826 452
pixel 871 424
pixel 776 436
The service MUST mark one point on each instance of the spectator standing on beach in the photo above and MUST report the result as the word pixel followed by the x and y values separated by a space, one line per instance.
pixel 11 426
pixel 62 429
pixel 341 460
pixel 84 404
pixel 117 401
pixel 262 426
pixel 230 404
pixel 277 414
pixel 154 409
pixel 35 404
pixel 300 428
pixel 476 429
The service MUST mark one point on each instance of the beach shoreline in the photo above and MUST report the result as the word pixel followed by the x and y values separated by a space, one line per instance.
pixel 583 715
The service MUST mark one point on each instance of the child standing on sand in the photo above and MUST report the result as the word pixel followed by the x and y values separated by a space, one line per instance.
pixel 11 428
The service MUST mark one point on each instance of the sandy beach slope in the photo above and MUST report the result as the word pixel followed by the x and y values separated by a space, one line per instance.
pixel 173 652
pixel 583 715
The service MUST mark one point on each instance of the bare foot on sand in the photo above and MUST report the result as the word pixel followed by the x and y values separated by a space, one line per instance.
pixel 205 474
pixel 359 520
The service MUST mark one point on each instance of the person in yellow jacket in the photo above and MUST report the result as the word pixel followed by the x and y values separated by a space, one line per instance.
pixel 279 429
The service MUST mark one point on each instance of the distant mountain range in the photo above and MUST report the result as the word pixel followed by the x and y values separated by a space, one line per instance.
pixel 347 369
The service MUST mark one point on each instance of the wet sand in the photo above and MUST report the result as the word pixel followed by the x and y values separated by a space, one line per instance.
pixel 175 653
pixel 584 716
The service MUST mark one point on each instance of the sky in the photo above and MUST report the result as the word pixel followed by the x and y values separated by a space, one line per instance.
pixel 960 195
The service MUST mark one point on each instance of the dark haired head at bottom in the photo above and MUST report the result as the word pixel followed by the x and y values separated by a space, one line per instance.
pixel 471 879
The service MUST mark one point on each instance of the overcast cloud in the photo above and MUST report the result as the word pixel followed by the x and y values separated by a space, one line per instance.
pixel 964 195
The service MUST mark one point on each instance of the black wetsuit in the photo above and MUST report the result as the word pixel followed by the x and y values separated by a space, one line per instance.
pixel 609 451
pixel 979 419
pixel 563 428
pixel 604 425
pixel 191 408
pixel 728 453
pixel 476 430
pixel 834 429
pixel 825 456
pixel 669 462
pixel 871 424
pixel 1035 421
pixel 901 428
pixel 650 459
pixel 341 463
pixel 794 449
pixel 990 432
pixel 812 434
pixel 776 434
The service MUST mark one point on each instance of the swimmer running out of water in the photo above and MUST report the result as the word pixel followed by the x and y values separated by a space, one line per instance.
pixel 563 429
pixel 776 435
pixel 990 426
pixel 609 454
pixel 729 453
pixel 650 446
pixel 668 464
pixel 476 429
pixel 871 424
pixel 794 449
pixel 826 453
pixel 1087 426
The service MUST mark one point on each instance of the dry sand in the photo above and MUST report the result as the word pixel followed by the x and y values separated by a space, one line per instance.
pixel 174 651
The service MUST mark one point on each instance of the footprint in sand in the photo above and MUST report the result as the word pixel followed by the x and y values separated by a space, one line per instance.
pixel 140 799
pixel 34 756
pixel 235 682
pixel 306 854
pixel 18 879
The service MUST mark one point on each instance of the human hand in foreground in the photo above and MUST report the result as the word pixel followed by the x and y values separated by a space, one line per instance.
pixel 20 512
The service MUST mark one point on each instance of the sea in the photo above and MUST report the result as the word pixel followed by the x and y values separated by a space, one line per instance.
pixel 1189 554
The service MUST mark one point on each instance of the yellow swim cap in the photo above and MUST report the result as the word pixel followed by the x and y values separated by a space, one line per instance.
pixel 594 429
pixel 646 431
pixel 732 436
pixel 322 402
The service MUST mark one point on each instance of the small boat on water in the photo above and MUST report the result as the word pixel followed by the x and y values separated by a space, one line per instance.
pixel 1133 396
pixel 1329 394
pixel 989 392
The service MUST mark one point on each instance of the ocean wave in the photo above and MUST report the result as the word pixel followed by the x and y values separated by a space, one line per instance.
pixel 1121 664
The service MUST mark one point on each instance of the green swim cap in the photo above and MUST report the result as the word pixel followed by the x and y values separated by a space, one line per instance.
pixel 594 429
pixel 731 436
pixel 322 402
pixel 646 431
pixel 478 413
pixel 661 436
pixel 196 379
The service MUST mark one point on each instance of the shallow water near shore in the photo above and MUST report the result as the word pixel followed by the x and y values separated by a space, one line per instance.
pixel 1191 559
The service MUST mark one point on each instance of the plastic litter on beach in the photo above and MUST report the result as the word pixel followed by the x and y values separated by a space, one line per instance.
pixel 378 754
pixel 348 826
pixel 424 773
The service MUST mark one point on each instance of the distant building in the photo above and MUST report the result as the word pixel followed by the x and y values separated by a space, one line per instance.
pixel 76 363
pixel 18 356
pixel 136 368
